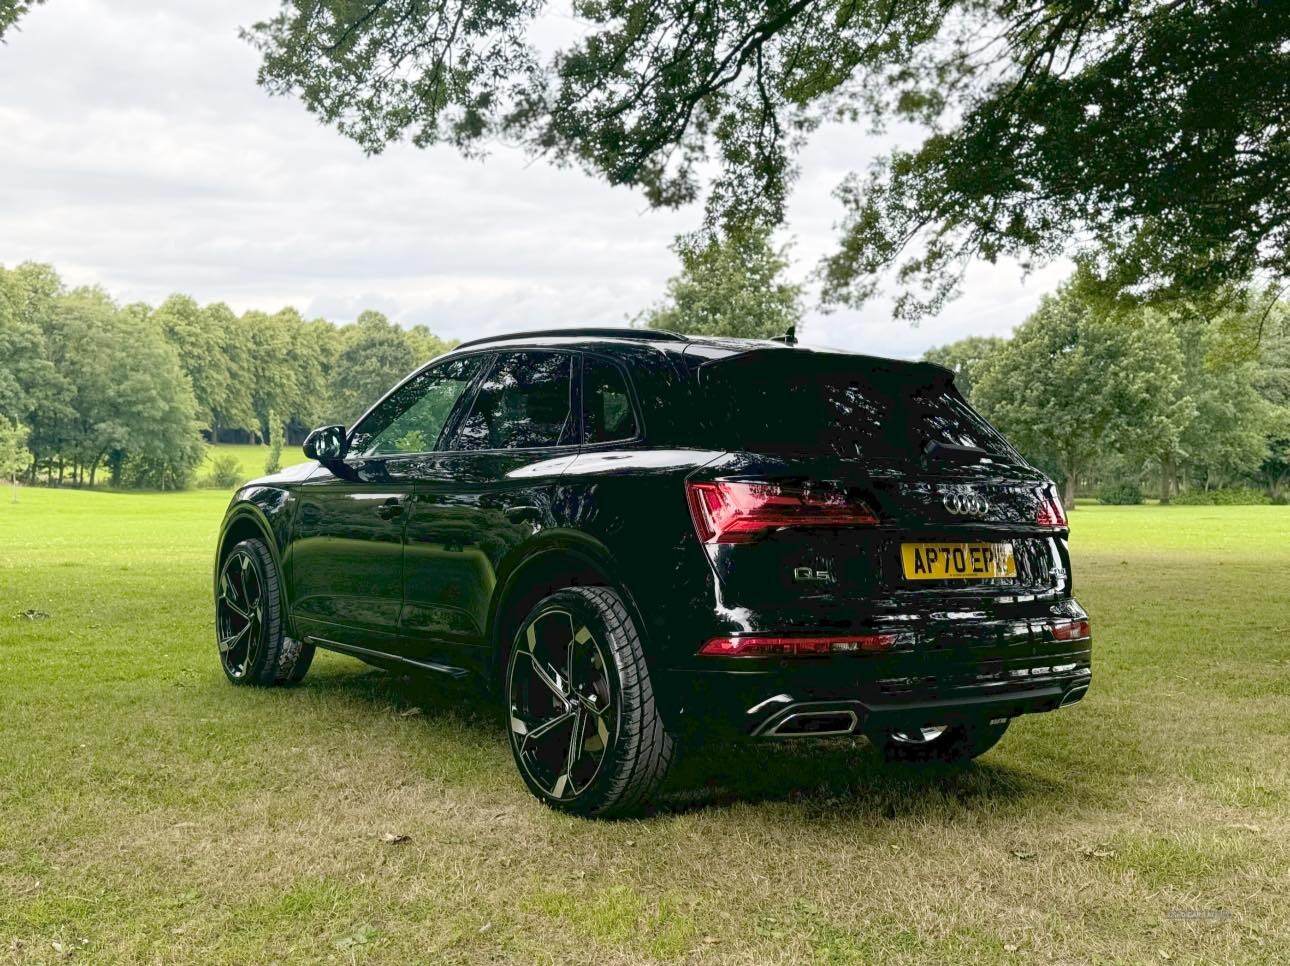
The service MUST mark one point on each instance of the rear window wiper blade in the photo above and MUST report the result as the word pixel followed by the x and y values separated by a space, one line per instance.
pixel 940 450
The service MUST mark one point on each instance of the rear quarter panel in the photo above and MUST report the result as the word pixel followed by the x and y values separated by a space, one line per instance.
pixel 631 500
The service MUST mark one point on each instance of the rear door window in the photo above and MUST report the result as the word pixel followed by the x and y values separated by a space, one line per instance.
pixel 524 402
pixel 607 414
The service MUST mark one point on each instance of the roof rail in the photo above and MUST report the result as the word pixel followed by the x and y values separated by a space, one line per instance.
pixel 612 332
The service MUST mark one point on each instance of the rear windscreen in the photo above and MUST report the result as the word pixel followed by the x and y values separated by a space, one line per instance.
pixel 771 404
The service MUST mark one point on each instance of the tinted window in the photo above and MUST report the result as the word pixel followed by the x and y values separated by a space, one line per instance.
pixel 523 402
pixel 412 418
pixel 607 408
pixel 834 406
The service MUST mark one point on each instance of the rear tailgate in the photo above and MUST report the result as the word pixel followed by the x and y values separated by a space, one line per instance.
pixel 861 568
pixel 897 438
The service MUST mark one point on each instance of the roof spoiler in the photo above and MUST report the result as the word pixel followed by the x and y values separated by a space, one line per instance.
pixel 929 371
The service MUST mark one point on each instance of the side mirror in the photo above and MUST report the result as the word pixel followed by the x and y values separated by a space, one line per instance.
pixel 326 444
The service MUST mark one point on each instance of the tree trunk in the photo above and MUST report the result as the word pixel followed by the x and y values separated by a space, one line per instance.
pixel 1168 472
pixel 1068 486
pixel 93 471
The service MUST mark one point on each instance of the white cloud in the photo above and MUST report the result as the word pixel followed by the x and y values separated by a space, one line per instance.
pixel 139 154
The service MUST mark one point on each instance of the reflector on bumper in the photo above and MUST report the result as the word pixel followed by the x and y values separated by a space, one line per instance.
pixel 764 646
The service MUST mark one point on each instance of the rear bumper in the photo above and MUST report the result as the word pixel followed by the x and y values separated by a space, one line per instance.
pixel 807 719
pixel 938 682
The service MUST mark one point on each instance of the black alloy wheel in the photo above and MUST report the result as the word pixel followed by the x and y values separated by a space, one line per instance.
pixel 563 718
pixel 239 613
pixel 584 730
pixel 250 629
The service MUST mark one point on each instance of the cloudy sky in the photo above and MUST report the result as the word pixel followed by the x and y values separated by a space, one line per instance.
pixel 137 152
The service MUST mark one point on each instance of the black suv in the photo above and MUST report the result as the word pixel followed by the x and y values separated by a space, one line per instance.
pixel 634 536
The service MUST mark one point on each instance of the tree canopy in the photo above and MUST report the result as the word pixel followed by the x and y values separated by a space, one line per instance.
pixel 1149 138
pixel 966 358
pixel 13 10
pixel 1096 391
pixel 732 286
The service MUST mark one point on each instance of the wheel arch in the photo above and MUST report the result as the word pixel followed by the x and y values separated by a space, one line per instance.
pixel 565 560
pixel 243 522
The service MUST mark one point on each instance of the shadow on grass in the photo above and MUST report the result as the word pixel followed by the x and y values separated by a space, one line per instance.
pixel 833 778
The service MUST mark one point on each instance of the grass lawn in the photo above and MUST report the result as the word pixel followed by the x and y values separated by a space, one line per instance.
pixel 149 811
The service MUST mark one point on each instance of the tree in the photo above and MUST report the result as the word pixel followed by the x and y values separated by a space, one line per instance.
pixel 202 353
pixel 32 388
pixel 99 384
pixel 730 286
pixel 1226 437
pixel 276 431
pixel 286 360
pixel 966 358
pixel 1224 337
pixel 13 451
pixel 12 10
pixel 1272 380
pixel 1075 382
pixel 1147 136
pixel 83 338
pixel 374 355
pixel 133 404
pixel 231 408
pixel 425 344
pixel 130 404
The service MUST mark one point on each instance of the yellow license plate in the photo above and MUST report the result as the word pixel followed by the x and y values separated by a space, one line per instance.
pixel 957 561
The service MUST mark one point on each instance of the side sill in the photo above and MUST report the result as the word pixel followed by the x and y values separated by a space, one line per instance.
pixel 353 650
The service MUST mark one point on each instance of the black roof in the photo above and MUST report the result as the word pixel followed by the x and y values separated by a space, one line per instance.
pixel 585 332
pixel 697 349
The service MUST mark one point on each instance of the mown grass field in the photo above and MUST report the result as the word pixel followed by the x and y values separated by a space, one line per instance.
pixel 150 812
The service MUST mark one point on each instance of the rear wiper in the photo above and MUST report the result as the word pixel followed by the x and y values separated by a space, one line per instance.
pixel 953 451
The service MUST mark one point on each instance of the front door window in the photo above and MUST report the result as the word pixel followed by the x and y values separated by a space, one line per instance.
pixel 411 419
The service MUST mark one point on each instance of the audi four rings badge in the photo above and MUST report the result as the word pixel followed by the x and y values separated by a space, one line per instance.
pixel 962 504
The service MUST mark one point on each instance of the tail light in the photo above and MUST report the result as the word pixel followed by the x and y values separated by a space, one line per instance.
pixel 740 512
pixel 1050 513
pixel 1071 630
pixel 756 646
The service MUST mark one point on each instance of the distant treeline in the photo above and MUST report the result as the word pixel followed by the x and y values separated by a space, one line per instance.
pixel 132 391
pixel 1188 401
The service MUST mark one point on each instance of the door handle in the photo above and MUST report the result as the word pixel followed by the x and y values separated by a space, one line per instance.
pixel 390 509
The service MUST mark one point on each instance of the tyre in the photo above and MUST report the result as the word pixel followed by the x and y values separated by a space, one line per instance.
pixel 949 744
pixel 249 621
pixel 584 729
pixel 294 661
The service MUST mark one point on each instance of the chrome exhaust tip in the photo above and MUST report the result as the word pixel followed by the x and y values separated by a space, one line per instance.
pixel 813 724
pixel 1073 695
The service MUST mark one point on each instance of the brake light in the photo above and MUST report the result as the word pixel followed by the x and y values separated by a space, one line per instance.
pixel 740 512
pixel 1071 630
pixel 1050 513
pixel 757 646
